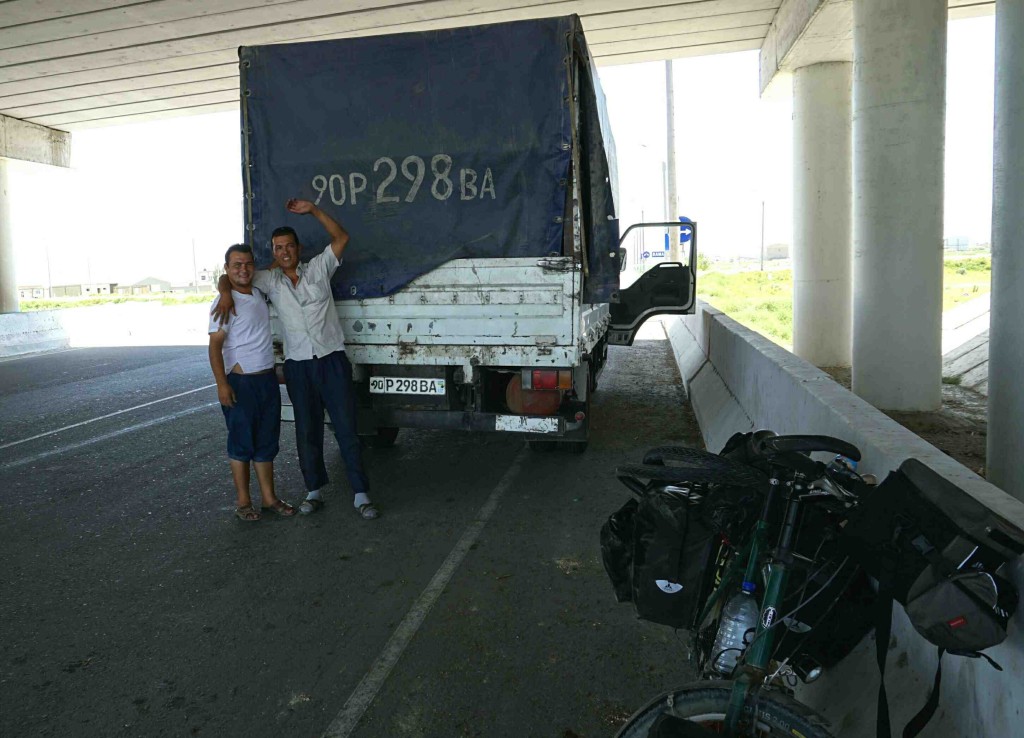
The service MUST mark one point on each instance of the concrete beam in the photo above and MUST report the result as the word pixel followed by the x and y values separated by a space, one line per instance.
pixel 807 32
pixel 35 111
pixel 62 120
pixel 680 27
pixel 31 142
pixel 668 52
pixel 177 112
pixel 814 30
pixel 678 41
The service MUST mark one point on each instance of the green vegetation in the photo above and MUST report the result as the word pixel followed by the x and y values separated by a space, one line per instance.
pixel 965 279
pixel 763 301
pixel 60 303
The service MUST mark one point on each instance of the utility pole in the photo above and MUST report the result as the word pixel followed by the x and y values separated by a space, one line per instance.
pixel 673 195
pixel 195 272
pixel 762 235
pixel 49 276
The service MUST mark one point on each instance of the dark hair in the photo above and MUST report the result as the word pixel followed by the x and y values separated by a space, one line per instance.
pixel 284 231
pixel 241 248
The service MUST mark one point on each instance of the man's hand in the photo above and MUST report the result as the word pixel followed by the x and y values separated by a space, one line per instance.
pixel 225 394
pixel 300 207
pixel 225 307
pixel 339 236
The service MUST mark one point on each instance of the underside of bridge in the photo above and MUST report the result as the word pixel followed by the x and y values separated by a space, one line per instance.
pixel 868 81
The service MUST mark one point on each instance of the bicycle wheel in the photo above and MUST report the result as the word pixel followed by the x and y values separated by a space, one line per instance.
pixel 706 702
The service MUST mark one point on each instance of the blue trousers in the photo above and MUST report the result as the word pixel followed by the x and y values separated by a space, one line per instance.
pixel 313 386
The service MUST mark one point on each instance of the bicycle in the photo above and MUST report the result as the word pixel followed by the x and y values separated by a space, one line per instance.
pixel 746 688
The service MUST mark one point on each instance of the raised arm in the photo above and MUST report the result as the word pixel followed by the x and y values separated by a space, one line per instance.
pixel 339 236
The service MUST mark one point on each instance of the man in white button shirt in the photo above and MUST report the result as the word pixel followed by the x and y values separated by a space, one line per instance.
pixel 316 370
pixel 242 360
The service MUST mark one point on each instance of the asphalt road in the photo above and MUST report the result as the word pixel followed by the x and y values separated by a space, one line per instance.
pixel 132 602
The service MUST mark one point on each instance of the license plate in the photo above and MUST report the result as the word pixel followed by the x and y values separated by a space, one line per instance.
pixel 407 385
pixel 522 424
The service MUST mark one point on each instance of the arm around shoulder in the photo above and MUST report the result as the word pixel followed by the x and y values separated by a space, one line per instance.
pixel 225 306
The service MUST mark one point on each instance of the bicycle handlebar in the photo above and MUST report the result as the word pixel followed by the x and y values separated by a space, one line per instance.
pixel 772 445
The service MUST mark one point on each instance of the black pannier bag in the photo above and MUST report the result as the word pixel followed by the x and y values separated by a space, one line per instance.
pixel 617 549
pixel 655 551
pixel 670 553
pixel 656 548
pixel 936 550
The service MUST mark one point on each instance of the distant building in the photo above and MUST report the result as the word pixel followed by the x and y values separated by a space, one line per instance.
pixel 66 290
pixel 956 243
pixel 150 284
pixel 99 288
pixel 776 251
pixel 32 292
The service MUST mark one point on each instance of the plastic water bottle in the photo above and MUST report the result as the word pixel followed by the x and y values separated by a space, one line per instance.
pixel 843 466
pixel 738 616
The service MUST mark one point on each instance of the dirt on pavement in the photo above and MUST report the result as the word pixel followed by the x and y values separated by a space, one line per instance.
pixel 958 429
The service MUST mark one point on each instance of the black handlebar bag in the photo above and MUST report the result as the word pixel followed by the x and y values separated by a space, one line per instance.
pixel 935 549
pixel 917 521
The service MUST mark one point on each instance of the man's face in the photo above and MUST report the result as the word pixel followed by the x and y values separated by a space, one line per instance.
pixel 286 251
pixel 240 268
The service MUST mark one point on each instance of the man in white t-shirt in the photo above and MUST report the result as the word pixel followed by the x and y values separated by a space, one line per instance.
pixel 316 369
pixel 242 359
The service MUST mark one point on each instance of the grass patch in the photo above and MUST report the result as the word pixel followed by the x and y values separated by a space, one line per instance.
pixel 763 301
pixel 955 381
pixel 61 303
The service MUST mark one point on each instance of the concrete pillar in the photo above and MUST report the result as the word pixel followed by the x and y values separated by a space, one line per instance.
pixel 8 279
pixel 672 186
pixel 899 90
pixel 1006 334
pixel 822 186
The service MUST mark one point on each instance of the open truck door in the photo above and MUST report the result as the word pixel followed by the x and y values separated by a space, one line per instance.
pixel 668 288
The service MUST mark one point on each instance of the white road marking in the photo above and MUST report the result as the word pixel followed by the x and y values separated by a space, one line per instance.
pixel 361 699
pixel 105 436
pixel 104 417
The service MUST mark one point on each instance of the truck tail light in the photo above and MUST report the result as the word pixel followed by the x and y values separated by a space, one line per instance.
pixel 547 379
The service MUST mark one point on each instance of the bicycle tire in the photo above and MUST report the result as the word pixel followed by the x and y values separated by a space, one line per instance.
pixel 705 702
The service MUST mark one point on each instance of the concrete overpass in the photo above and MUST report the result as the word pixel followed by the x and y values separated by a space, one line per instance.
pixel 868 80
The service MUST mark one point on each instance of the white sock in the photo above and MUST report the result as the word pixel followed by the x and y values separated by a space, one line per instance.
pixel 313 495
pixel 360 499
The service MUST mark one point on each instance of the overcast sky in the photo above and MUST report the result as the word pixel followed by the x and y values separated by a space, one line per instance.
pixel 141 199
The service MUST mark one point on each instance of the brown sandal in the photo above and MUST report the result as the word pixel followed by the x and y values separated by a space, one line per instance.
pixel 249 514
pixel 282 508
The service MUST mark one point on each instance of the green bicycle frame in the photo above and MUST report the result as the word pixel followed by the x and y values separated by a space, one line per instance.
pixel 758 655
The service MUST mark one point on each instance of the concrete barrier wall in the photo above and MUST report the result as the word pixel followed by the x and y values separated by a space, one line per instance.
pixel 738 381
pixel 121 324
pixel 24 333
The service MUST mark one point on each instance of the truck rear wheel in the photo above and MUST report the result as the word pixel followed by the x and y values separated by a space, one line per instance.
pixel 384 438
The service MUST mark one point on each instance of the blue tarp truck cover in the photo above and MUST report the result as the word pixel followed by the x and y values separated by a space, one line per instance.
pixel 433 146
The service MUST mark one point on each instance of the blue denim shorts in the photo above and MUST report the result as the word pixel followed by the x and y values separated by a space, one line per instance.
pixel 254 423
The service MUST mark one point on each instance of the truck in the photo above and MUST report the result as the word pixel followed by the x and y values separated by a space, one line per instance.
pixel 474 169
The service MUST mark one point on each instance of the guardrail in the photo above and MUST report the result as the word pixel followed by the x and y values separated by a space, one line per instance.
pixel 737 380
pixel 122 324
